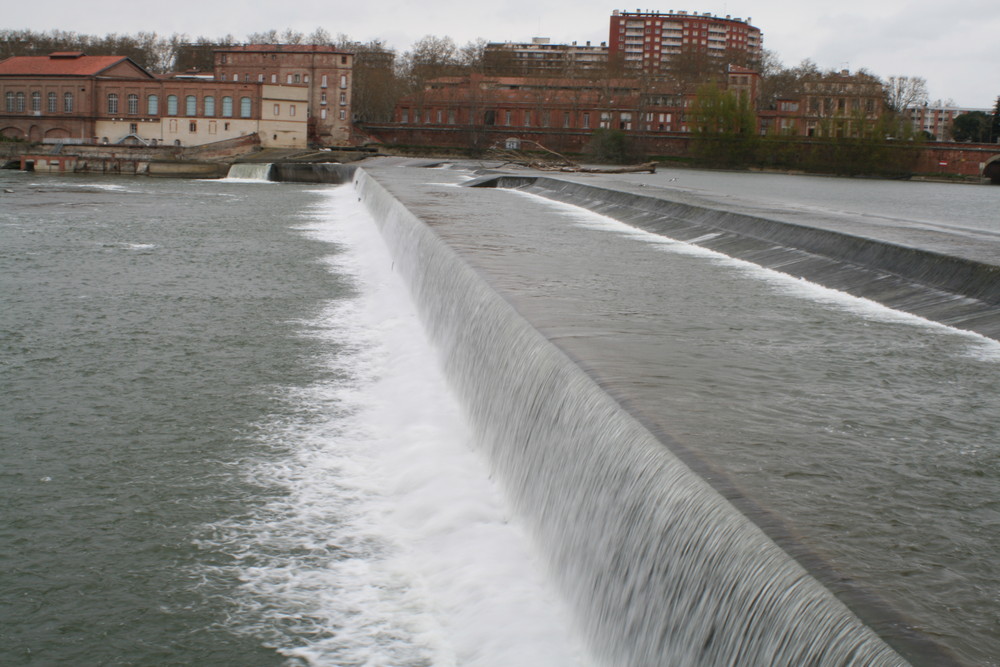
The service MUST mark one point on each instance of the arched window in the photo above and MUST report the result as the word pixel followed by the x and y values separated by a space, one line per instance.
pixel 10 101
pixel 53 103
pixel 68 102
pixel 246 108
pixel 190 105
pixel 153 105
pixel 20 102
pixel 112 103
pixel 36 101
pixel 209 105
pixel 133 104
pixel 227 106
pixel 171 105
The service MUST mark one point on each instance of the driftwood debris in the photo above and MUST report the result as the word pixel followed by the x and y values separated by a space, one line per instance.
pixel 553 161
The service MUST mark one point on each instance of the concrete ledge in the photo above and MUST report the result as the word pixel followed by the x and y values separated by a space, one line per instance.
pixel 952 290
pixel 187 169
pixel 313 172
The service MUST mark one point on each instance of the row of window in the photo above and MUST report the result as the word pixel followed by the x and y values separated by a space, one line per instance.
pixel 289 78
pixel 208 105
pixel 526 118
pixel 624 120
pixel 15 102
pixel 343 98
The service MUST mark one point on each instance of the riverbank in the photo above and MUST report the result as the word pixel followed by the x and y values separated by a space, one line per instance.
pixel 207 161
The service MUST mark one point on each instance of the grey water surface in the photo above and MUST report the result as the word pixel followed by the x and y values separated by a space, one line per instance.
pixel 865 441
pixel 146 329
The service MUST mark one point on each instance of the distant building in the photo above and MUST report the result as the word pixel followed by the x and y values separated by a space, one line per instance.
pixel 286 94
pixel 837 104
pixel 324 70
pixel 541 57
pixel 662 41
pixel 559 113
pixel 937 120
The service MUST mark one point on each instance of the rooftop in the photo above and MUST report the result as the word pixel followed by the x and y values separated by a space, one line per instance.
pixel 63 63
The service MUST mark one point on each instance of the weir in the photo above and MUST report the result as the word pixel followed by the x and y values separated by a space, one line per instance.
pixel 250 171
pixel 660 568
pixel 313 172
pixel 294 172
pixel 957 291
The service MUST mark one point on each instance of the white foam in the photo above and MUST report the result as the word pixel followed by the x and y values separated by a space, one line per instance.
pixel 391 545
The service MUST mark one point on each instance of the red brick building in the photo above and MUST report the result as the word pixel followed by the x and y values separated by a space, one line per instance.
pixel 562 114
pixel 284 94
pixel 323 70
pixel 658 41
pixel 56 96
pixel 838 104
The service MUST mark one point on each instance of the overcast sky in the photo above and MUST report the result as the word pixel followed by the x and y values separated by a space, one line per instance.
pixel 952 46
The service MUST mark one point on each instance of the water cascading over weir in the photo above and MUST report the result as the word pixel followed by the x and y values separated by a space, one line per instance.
pixel 661 569
pixel 250 171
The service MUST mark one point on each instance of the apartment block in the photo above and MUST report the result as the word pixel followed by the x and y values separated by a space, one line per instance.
pixel 659 41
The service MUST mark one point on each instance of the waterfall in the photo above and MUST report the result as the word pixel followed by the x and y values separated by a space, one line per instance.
pixel 250 171
pixel 313 172
pixel 659 567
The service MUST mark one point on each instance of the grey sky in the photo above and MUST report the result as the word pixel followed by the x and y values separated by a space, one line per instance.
pixel 949 45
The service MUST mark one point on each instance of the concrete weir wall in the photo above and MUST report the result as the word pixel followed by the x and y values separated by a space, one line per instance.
pixel 313 172
pixel 657 566
pixel 952 290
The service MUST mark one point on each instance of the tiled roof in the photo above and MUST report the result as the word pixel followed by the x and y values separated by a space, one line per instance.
pixel 58 64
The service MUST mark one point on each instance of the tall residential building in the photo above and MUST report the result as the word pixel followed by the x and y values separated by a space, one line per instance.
pixel 541 56
pixel 661 41
pixel 324 70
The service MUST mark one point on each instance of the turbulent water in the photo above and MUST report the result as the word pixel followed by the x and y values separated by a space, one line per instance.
pixel 225 438
pixel 224 441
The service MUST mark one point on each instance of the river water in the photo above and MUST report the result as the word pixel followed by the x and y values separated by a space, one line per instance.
pixel 224 441
pixel 224 438
pixel 866 441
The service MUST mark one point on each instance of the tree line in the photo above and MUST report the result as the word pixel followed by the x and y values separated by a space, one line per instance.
pixel 381 76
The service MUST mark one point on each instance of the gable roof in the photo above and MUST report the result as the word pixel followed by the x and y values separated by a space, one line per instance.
pixel 65 64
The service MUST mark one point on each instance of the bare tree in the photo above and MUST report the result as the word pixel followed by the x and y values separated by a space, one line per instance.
pixel 267 37
pixel 780 82
pixel 320 36
pixel 290 36
pixel 902 92
pixel 375 86
pixel 472 56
